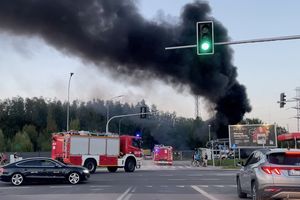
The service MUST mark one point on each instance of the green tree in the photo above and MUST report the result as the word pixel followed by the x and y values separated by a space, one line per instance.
pixel 33 135
pixel 75 124
pixel 44 141
pixel 21 143
pixel 2 142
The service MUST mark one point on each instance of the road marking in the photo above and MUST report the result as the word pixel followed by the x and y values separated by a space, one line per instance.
pixel 203 192
pixel 96 186
pixel 123 196
pixel 180 186
pixel 231 174
pixel 133 190
pixel 97 189
pixel 192 175
pixel 231 186
pixel 220 186
pixel 5 188
pixel 210 179
pixel 67 186
pixel 149 186
pixel 205 186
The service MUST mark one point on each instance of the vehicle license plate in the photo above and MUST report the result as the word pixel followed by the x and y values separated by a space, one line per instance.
pixel 294 172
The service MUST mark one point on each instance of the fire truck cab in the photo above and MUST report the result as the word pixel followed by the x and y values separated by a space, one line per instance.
pixel 93 150
pixel 163 155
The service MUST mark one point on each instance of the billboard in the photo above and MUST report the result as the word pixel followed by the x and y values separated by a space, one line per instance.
pixel 252 136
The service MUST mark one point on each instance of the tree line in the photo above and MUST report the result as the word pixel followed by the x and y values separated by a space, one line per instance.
pixel 27 124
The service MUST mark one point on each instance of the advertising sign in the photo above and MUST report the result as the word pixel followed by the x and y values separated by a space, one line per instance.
pixel 253 136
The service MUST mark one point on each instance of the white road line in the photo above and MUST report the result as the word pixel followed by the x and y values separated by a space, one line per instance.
pixel 56 187
pixel 99 186
pixel 231 186
pixel 220 186
pixel 180 186
pixel 122 197
pixel 192 175
pixel 203 192
pixel 149 186
pixel 204 186
pixel 5 188
pixel 133 190
pixel 97 189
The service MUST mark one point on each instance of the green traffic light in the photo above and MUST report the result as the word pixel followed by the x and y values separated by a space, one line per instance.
pixel 205 46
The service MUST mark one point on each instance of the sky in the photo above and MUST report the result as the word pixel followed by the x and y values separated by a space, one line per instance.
pixel 29 67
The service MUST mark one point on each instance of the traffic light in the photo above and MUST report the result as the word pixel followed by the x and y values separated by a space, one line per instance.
pixel 205 38
pixel 282 101
pixel 143 111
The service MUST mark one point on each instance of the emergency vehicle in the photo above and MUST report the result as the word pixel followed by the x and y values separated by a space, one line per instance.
pixel 163 155
pixel 93 150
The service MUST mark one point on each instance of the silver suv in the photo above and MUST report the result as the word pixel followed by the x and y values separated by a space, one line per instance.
pixel 270 174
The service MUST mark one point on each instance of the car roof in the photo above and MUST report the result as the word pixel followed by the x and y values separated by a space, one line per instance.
pixel 35 158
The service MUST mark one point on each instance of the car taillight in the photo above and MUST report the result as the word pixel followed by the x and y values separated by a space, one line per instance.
pixel 270 170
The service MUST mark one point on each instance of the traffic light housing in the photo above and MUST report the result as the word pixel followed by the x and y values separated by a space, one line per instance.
pixel 205 38
pixel 143 111
pixel 282 101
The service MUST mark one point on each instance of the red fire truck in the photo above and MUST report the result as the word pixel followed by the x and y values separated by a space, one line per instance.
pixel 91 150
pixel 163 154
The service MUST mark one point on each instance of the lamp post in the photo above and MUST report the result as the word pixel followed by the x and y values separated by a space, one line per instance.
pixel 212 145
pixel 107 106
pixel 68 105
pixel 209 132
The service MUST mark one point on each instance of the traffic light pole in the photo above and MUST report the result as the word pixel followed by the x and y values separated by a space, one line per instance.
pixel 271 39
pixel 121 116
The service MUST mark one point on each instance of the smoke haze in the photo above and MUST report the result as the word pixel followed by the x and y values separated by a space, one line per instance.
pixel 115 33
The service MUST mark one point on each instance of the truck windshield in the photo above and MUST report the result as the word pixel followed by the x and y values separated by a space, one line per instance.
pixel 137 143
pixel 284 159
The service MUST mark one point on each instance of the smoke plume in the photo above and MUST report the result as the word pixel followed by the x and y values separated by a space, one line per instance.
pixel 113 32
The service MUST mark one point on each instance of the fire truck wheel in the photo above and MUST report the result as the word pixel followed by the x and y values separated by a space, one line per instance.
pixel 129 165
pixel 90 165
pixel 112 169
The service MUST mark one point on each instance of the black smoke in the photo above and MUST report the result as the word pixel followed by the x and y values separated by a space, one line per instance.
pixel 115 33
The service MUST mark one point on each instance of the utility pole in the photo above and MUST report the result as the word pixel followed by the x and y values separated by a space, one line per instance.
pixel 197 107
pixel 68 105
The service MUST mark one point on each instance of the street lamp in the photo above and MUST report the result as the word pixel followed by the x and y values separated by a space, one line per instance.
pixel 212 145
pixel 68 105
pixel 209 132
pixel 107 106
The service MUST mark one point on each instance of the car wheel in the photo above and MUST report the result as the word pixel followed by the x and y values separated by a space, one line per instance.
pixel 74 178
pixel 254 192
pixel 17 179
pixel 239 189
pixel 112 169
pixel 129 165
pixel 90 165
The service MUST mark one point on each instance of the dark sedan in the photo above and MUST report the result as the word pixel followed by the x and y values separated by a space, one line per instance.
pixel 35 169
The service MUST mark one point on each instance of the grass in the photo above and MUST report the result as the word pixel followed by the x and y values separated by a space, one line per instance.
pixel 226 163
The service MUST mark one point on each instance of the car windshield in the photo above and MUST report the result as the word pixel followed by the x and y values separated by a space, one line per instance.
pixel 284 159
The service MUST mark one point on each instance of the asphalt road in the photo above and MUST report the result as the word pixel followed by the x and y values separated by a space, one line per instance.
pixel 177 182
